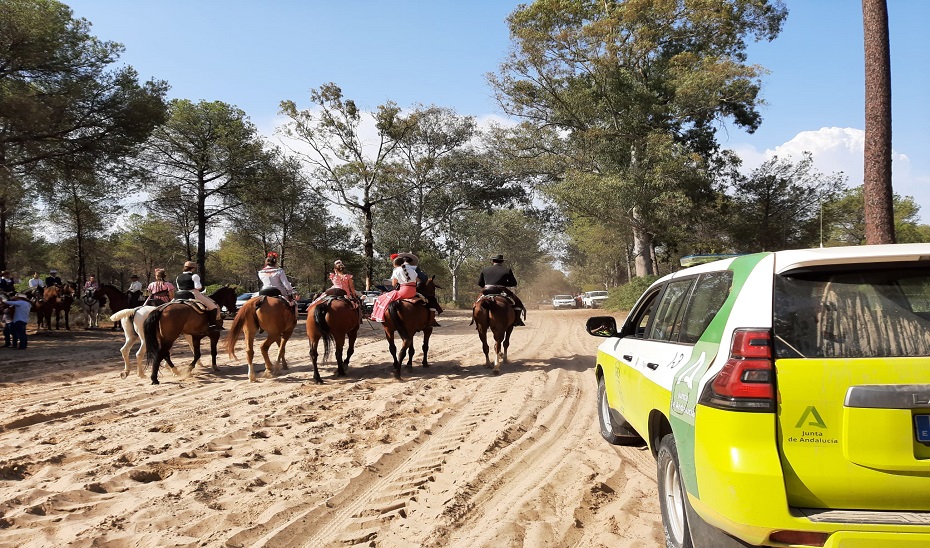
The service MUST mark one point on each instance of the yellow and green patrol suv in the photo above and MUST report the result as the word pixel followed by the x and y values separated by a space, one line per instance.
pixel 785 396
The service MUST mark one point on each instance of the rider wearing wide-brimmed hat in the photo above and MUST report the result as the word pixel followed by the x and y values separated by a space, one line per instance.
pixel 134 293
pixel 52 279
pixel 496 278
pixel 189 280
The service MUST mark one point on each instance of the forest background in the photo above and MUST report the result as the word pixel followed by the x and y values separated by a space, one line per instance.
pixel 608 168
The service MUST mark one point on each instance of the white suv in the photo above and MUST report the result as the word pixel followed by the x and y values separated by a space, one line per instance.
pixel 563 301
pixel 594 299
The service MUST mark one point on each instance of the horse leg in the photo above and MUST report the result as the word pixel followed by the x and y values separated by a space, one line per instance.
pixel 130 332
pixel 140 366
pixel 483 335
pixel 269 367
pixel 393 348
pixel 214 337
pixel 190 344
pixel 162 352
pixel 350 349
pixel 196 354
pixel 427 331
pixel 340 364
pixel 314 354
pixel 406 352
pixel 507 342
pixel 280 362
pixel 497 353
pixel 250 351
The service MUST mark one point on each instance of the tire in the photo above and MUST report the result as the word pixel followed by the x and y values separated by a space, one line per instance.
pixel 673 499
pixel 611 431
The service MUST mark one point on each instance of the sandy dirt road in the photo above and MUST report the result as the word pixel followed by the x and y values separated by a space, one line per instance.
pixel 450 456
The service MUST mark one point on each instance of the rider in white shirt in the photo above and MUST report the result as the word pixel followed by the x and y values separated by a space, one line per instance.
pixel 274 280
pixel 37 286
pixel 134 293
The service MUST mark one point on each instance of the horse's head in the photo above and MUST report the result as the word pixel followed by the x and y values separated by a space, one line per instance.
pixel 225 296
pixel 429 287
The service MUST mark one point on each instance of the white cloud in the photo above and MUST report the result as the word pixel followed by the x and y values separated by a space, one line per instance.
pixel 835 149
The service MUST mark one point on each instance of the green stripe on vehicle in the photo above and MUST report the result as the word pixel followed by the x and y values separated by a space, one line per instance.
pixel 688 380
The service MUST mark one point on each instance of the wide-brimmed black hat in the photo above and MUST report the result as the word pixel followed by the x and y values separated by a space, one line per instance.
pixel 499 258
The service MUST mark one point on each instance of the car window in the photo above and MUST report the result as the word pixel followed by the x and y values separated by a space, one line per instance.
pixel 871 313
pixel 710 292
pixel 666 324
pixel 642 313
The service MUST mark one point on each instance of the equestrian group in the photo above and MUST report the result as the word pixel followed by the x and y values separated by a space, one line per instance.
pixel 333 317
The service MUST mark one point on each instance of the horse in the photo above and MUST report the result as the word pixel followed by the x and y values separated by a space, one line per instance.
pixel 166 323
pixel 406 317
pixel 55 299
pixel 116 299
pixel 225 297
pixel 91 303
pixel 274 315
pixel 494 312
pixel 334 319
pixel 132 320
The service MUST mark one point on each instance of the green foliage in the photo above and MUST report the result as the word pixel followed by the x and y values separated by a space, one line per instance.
pixel 625 296
pixel 845 224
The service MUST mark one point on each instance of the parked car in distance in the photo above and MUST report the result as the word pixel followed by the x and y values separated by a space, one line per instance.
pixel 783 394
pixel 593 299
pixel 241 299
pixel 368 299
pixel 304 304
pixel 563 301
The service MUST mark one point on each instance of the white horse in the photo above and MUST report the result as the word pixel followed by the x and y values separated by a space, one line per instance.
pixel 90 304
pixel 131 319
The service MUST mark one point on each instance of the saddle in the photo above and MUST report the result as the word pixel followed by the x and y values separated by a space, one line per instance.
pixel 503 294
pixel 263 298
pixel 186 297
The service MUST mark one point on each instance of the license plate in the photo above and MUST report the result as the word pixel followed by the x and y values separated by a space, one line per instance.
pixel 922 426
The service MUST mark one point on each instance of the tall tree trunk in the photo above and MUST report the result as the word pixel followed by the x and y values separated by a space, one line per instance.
pixel 3 237
pixel 202 233
pixel 877 191
pixel 369 246
pixel 642 243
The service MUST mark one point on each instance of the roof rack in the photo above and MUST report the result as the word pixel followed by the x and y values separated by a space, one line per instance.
pixel 694 260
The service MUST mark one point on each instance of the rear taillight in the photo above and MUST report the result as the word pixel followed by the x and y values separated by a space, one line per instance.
pixel 747 380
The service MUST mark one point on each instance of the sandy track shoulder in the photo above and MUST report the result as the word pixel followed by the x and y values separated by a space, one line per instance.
pixel 450 456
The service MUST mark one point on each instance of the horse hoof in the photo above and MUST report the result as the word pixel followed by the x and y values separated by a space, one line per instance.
pixel 155 382
pixel 496 372
pixel 123 374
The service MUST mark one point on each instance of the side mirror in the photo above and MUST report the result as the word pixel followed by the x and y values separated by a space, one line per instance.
pixel 601 326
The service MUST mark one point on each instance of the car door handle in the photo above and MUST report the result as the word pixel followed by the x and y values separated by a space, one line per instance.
pixel 628 357
pixel 652 366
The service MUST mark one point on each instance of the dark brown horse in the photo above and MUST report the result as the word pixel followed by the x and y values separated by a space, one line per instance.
pixel 55 300
pixel 166 323
pixel 494 313
pixel 335 318
pixel 273 314
pixel 225 297
pixel 406 317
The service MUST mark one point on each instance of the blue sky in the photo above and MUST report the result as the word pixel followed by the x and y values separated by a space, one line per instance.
pixel 254 54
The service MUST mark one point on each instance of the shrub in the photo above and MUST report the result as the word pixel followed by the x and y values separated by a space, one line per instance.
pixel 625 296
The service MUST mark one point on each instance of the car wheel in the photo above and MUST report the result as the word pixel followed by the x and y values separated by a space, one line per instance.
pixel 610 430
pixel 672 496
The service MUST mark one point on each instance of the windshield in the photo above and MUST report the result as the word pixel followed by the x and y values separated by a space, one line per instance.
pixel 598 294
pixel 563 297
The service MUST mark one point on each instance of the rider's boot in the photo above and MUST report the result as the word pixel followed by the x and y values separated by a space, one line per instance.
pixel 216 323
pixel 519 319
pixel 432 318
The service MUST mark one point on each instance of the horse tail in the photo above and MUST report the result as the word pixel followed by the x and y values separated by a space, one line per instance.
pixel 319 318
pixel 150 333
pixel 124 313
pixel 237 326
pixel 395 319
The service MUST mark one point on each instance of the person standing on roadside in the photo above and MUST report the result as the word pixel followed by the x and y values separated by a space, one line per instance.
pixel 21 308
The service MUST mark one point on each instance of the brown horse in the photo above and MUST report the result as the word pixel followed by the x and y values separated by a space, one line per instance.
pixel 334 319
pixel 406 317
pixel 55 300
pixel 166 323
pixel 225 297
pixel 273 314
pixel 494 312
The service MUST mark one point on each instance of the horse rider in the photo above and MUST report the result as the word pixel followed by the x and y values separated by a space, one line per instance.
pixel 160 291
pixel 37 286
pixel 498 278
pixel 404 279
pixel 274 280
pixel 52 279
pixel 189 280
pixel 134 293
pixel 432 302
pixel 7 286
